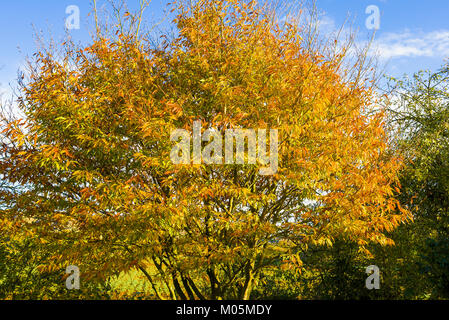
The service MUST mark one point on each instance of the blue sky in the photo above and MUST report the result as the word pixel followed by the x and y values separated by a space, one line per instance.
pixel 413 34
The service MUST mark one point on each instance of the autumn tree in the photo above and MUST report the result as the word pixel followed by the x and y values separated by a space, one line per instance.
pixel 98 186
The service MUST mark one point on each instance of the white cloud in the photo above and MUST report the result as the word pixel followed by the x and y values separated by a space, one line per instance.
pixel 5 91
pixel 412 44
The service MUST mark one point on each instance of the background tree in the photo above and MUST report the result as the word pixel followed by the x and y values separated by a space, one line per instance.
pixel 421 116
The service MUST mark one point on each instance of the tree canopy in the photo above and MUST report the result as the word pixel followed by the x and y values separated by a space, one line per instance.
pixel 88 168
